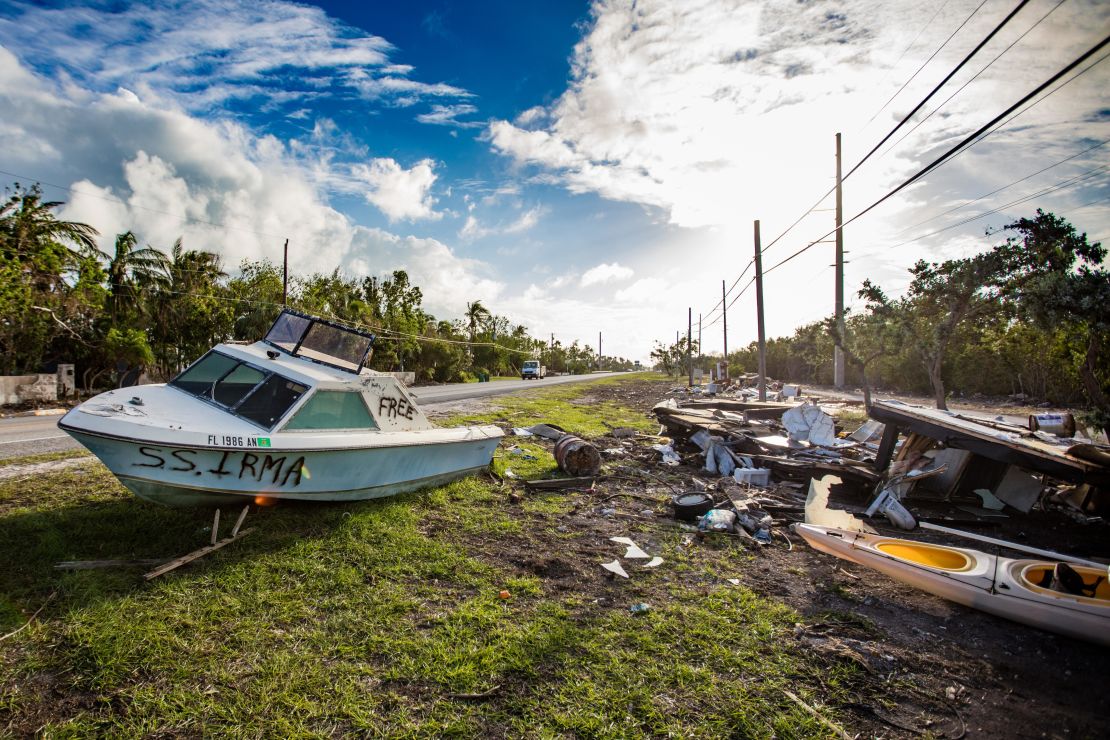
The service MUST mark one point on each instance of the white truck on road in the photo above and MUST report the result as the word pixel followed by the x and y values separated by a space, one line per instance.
pixel 533 369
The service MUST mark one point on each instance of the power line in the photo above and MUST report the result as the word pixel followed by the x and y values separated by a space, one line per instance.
pixel 942 83
pixel 959 147
pixel 1076 180
pixel 906 51
pixel 926 62
pixel 973 78
pixel 717 306
pixel 1005 187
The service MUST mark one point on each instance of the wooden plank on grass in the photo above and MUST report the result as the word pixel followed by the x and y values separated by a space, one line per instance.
pixel 194 555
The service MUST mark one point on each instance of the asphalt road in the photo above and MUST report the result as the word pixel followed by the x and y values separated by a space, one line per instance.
pixel 33 435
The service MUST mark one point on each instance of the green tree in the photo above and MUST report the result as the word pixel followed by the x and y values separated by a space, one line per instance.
pixel 135 274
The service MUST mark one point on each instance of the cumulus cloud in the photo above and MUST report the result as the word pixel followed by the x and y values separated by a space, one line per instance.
pixel 605 273
pixel 165 174
pixel 717 112
pixel 397 192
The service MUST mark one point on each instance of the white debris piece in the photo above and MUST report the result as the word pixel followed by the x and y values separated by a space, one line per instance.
pixel 633 552
pixel 807 422
pixel 818 511
pixel 615 567
pixel 654 563
pixel 670 457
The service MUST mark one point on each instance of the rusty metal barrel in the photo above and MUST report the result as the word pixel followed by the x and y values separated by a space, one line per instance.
pixel 577 456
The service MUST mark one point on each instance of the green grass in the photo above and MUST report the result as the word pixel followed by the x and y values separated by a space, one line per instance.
pixel 364 618
pixel 569 406
pixel 44 457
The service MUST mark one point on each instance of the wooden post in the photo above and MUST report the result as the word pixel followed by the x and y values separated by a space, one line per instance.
pixel 285 275
pixel 215 527
pixel 886 447
pixel 838 353
pixel 689 343
pixel 724 318
pixel 239 521
pixel 759 316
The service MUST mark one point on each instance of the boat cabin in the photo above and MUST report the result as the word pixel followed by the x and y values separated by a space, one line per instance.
pixel 306 375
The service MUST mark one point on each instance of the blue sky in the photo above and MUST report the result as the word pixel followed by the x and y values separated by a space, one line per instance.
pixel 579 167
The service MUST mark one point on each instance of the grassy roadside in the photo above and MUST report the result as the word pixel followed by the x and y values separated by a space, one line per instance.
pixel 372 617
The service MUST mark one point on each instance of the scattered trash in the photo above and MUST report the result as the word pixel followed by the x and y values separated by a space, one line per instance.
pixel 640 608
pixel 623 432
pixel 752 476
pixel 670 457
pixel 691 506
pixel 808 423
pixel 608 512
pixel 633 552
pixel 655 562
pixel 521 453
pixel 510 474
pixel 521 432
pixel 990 501
pixel 733 581
pixel 615 568
pixel 504 594
pixel 554 484
pixel 647 512
pixel 718 520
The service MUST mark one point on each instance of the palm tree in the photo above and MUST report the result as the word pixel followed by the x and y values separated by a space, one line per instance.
pixel 132 272
pixel 476 315
pixel 33 237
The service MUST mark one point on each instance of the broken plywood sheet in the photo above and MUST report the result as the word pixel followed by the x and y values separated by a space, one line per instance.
pixel 1014 449
pixel 1019 488
pixel 818 511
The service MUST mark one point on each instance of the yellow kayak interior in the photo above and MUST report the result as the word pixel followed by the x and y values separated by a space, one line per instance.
pixel 1037 573
pixel 932 556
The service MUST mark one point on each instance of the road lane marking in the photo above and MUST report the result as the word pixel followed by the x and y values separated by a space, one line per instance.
pixel 33 439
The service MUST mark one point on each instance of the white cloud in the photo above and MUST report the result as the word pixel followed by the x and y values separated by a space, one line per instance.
pixel 397 192
pixel 605 273
pixel 473 230
pixel 642 291
pixel 165 174
pixel 718 112
pixel 448 115
pixel 531 116
pixel 204 53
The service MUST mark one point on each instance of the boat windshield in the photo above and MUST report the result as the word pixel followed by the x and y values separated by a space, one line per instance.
pixel 321 341
pixel 257 395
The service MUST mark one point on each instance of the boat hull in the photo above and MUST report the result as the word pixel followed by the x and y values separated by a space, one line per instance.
pixel 191 476
pixel 981 581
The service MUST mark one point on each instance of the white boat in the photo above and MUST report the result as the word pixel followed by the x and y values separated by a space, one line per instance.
pixel 297 415
pixel 1001 586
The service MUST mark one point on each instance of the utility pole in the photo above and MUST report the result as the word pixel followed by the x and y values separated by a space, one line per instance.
pixel 285 275
pixel 724 315
pixel 759 316
pixel 689 336
pixel 838 353
pixel 599 350
pixel 699 335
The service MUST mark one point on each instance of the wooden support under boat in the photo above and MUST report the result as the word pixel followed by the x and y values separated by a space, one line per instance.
pixel 214 545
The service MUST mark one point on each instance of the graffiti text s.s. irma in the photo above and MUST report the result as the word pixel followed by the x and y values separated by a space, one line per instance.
pixel 269 468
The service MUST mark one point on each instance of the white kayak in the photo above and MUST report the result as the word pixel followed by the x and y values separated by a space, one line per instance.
pixel 1001 586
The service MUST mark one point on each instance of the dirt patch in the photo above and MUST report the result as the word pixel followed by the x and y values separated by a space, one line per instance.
pixel 925 665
